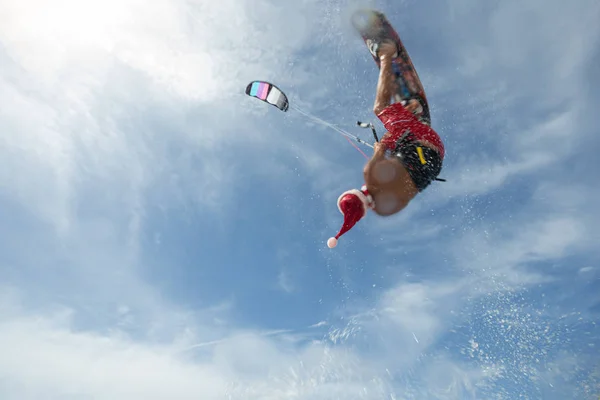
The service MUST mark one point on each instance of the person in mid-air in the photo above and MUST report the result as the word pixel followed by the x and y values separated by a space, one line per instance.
pixel 406 160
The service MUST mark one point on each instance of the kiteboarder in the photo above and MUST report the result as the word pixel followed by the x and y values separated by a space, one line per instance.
pixel 406 160
pixel 410 154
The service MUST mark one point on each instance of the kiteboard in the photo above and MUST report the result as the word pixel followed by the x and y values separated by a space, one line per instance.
pixel 374 26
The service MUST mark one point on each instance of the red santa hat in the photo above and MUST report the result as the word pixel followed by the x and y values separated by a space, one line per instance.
pixel 353 204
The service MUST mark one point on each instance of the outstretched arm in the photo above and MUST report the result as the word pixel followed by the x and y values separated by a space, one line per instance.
pixel 378 156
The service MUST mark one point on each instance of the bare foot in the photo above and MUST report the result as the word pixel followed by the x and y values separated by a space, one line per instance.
pixel 387 50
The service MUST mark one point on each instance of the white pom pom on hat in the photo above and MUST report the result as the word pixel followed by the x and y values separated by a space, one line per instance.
pixel 353 204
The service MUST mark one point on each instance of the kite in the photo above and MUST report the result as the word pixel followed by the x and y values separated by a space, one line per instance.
pixel 268 93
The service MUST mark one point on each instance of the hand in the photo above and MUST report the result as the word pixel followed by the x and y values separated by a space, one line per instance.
pixel 414 106
pixel 378 150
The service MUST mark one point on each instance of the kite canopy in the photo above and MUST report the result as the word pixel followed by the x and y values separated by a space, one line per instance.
pixel 268 93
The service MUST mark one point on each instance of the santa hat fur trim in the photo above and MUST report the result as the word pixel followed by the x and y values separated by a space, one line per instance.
pixel 357 193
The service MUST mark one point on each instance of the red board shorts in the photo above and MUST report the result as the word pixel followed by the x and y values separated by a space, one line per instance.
pixel 406 134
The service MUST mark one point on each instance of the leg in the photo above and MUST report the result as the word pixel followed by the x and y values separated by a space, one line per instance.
pixel 386 87
pixel 386 83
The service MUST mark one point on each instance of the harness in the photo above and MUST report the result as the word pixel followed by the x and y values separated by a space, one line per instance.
pixel 423 163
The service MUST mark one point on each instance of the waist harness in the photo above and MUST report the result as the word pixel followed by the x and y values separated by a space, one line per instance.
pixel 423 163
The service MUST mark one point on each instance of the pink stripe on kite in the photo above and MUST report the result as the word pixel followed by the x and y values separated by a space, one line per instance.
pixel 262 91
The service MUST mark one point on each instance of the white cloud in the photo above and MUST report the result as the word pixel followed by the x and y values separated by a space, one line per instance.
pixel 81 76
pixel 513 103
pixel 47 356
pixel 85 365
pixel 284 282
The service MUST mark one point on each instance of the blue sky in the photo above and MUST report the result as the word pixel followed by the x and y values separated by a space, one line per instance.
pixel 163 235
